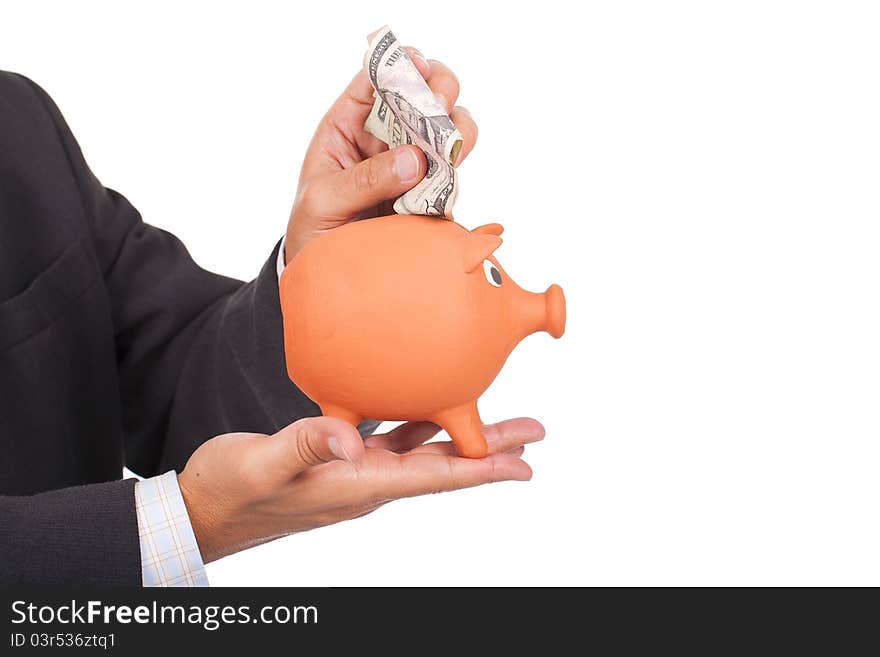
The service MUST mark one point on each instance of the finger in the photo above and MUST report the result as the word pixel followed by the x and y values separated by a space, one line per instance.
pixel 419 60
pixel 500 437
pixel 342 194
pixel 468 129
pixel 447 448
pixel 443 83
pixel 420 473
pixel 349 111
pixel 312 441
pixel 508 434
pixel 405 437
pixel 360 90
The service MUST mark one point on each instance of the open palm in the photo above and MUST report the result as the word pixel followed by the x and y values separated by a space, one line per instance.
pixel 245 489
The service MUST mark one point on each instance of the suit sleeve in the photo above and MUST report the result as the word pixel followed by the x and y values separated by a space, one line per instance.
pixel 198 354
pixel 80 535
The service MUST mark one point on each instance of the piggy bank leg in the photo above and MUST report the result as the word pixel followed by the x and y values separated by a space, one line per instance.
pixel 331 410
pixel 464 426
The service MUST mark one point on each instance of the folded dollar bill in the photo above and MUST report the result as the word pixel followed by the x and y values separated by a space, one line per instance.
pixel 407 112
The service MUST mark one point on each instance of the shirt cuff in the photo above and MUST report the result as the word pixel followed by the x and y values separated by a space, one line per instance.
pixel 279 263
pixel 169 553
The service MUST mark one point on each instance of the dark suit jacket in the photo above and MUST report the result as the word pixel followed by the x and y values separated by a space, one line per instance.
pixel 115 349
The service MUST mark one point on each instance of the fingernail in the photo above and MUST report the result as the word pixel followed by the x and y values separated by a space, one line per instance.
pixel 338 449
pixel 406 165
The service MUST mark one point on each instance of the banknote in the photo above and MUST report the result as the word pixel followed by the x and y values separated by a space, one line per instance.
pixel 405 111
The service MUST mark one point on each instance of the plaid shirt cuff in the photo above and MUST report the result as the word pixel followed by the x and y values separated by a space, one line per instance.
pixel 169 553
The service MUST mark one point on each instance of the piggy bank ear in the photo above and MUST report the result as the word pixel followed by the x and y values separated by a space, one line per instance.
pixel 488 229
pixel 477 248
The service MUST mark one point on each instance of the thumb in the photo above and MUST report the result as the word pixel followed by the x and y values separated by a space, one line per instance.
pixel 379 178
pixel 316 440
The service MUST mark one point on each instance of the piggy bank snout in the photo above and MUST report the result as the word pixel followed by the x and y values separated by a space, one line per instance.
pixel 555 302
pixel 544 312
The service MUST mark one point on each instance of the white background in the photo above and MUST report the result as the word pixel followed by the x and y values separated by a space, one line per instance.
pixel 701 178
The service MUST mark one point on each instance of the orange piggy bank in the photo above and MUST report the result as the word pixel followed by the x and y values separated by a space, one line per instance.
pixel 407 318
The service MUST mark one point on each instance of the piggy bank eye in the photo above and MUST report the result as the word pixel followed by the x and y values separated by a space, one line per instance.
pixel 492 273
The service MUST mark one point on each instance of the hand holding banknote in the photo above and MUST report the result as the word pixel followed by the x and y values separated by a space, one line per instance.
pixel 349 174
pixel 406 111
